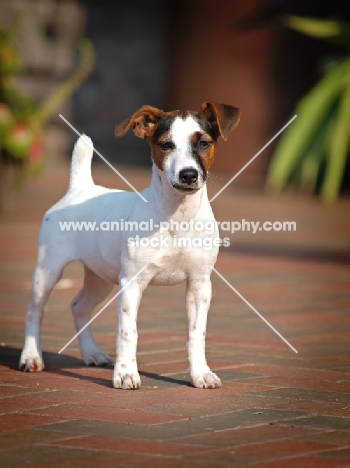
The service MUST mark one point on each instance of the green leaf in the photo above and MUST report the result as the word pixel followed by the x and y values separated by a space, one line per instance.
pixel 338 149
pixel 315 154
pixel 311 111
pixel 317 27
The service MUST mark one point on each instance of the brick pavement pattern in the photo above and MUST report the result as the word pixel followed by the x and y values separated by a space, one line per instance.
pixel 276 409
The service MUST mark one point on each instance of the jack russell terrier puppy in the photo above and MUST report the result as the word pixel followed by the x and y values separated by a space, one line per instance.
pixel 183 145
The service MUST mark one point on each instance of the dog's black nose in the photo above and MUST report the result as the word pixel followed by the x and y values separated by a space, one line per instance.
pixel 188 176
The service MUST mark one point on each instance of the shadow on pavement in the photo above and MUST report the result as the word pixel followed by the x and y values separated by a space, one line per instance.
pixel 60 365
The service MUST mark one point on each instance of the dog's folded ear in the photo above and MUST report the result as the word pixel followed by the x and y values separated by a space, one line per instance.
pixel 222 117
pixel 143 122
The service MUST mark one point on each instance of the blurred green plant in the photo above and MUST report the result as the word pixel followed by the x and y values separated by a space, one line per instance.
pixel 314 148
pixel 21 121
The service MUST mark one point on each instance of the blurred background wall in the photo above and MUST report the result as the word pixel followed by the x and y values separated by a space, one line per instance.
pixel 172 54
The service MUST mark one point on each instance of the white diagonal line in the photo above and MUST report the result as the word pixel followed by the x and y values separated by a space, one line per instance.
pixel 103 308
pixel 254 310
pixel 105 160
pixel 254 157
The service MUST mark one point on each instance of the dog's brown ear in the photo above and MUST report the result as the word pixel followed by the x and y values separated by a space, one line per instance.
pixel 143 122
pixel 222 117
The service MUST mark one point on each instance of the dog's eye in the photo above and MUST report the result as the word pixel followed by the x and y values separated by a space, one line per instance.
pixel 166 145
pixel 203 144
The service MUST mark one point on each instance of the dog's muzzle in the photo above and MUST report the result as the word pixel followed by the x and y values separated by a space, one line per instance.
pixel 188 180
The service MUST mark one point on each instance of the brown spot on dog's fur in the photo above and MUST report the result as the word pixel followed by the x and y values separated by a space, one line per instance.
pixel 209 157
pixel 183 114
pixel 204 156
pixel 159 154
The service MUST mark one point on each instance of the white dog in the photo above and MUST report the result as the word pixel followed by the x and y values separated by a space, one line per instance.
pixel 183 147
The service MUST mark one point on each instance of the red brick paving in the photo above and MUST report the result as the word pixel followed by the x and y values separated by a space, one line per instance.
pixel 132 446
pixel 303 462
pixel 259 452
pixel 276 409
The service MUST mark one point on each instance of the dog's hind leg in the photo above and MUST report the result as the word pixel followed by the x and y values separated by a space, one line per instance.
pixel 94 291
pixel 47 273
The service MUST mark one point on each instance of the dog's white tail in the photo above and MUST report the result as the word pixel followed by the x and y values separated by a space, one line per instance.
pixel 80 172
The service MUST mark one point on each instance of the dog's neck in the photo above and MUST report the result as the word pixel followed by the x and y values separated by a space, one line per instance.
pixel 172 204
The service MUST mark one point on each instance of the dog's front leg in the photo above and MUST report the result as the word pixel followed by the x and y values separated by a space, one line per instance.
pixel 198 297
pixel 126 375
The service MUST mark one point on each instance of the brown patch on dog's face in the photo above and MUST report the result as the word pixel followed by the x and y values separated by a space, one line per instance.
pixel 161 142
pixel 160 149
pixel 203 150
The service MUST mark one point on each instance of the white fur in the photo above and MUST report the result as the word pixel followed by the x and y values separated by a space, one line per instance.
pixel 109 260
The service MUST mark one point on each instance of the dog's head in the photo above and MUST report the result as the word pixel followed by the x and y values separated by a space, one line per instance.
pixel 183 143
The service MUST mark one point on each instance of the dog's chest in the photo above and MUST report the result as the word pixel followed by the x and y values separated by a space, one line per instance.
pixel 170 267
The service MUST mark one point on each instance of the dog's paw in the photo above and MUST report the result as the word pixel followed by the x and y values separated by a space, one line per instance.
pixel 31 362
pixel 206 380
pixel 97 358
pixel 126 381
